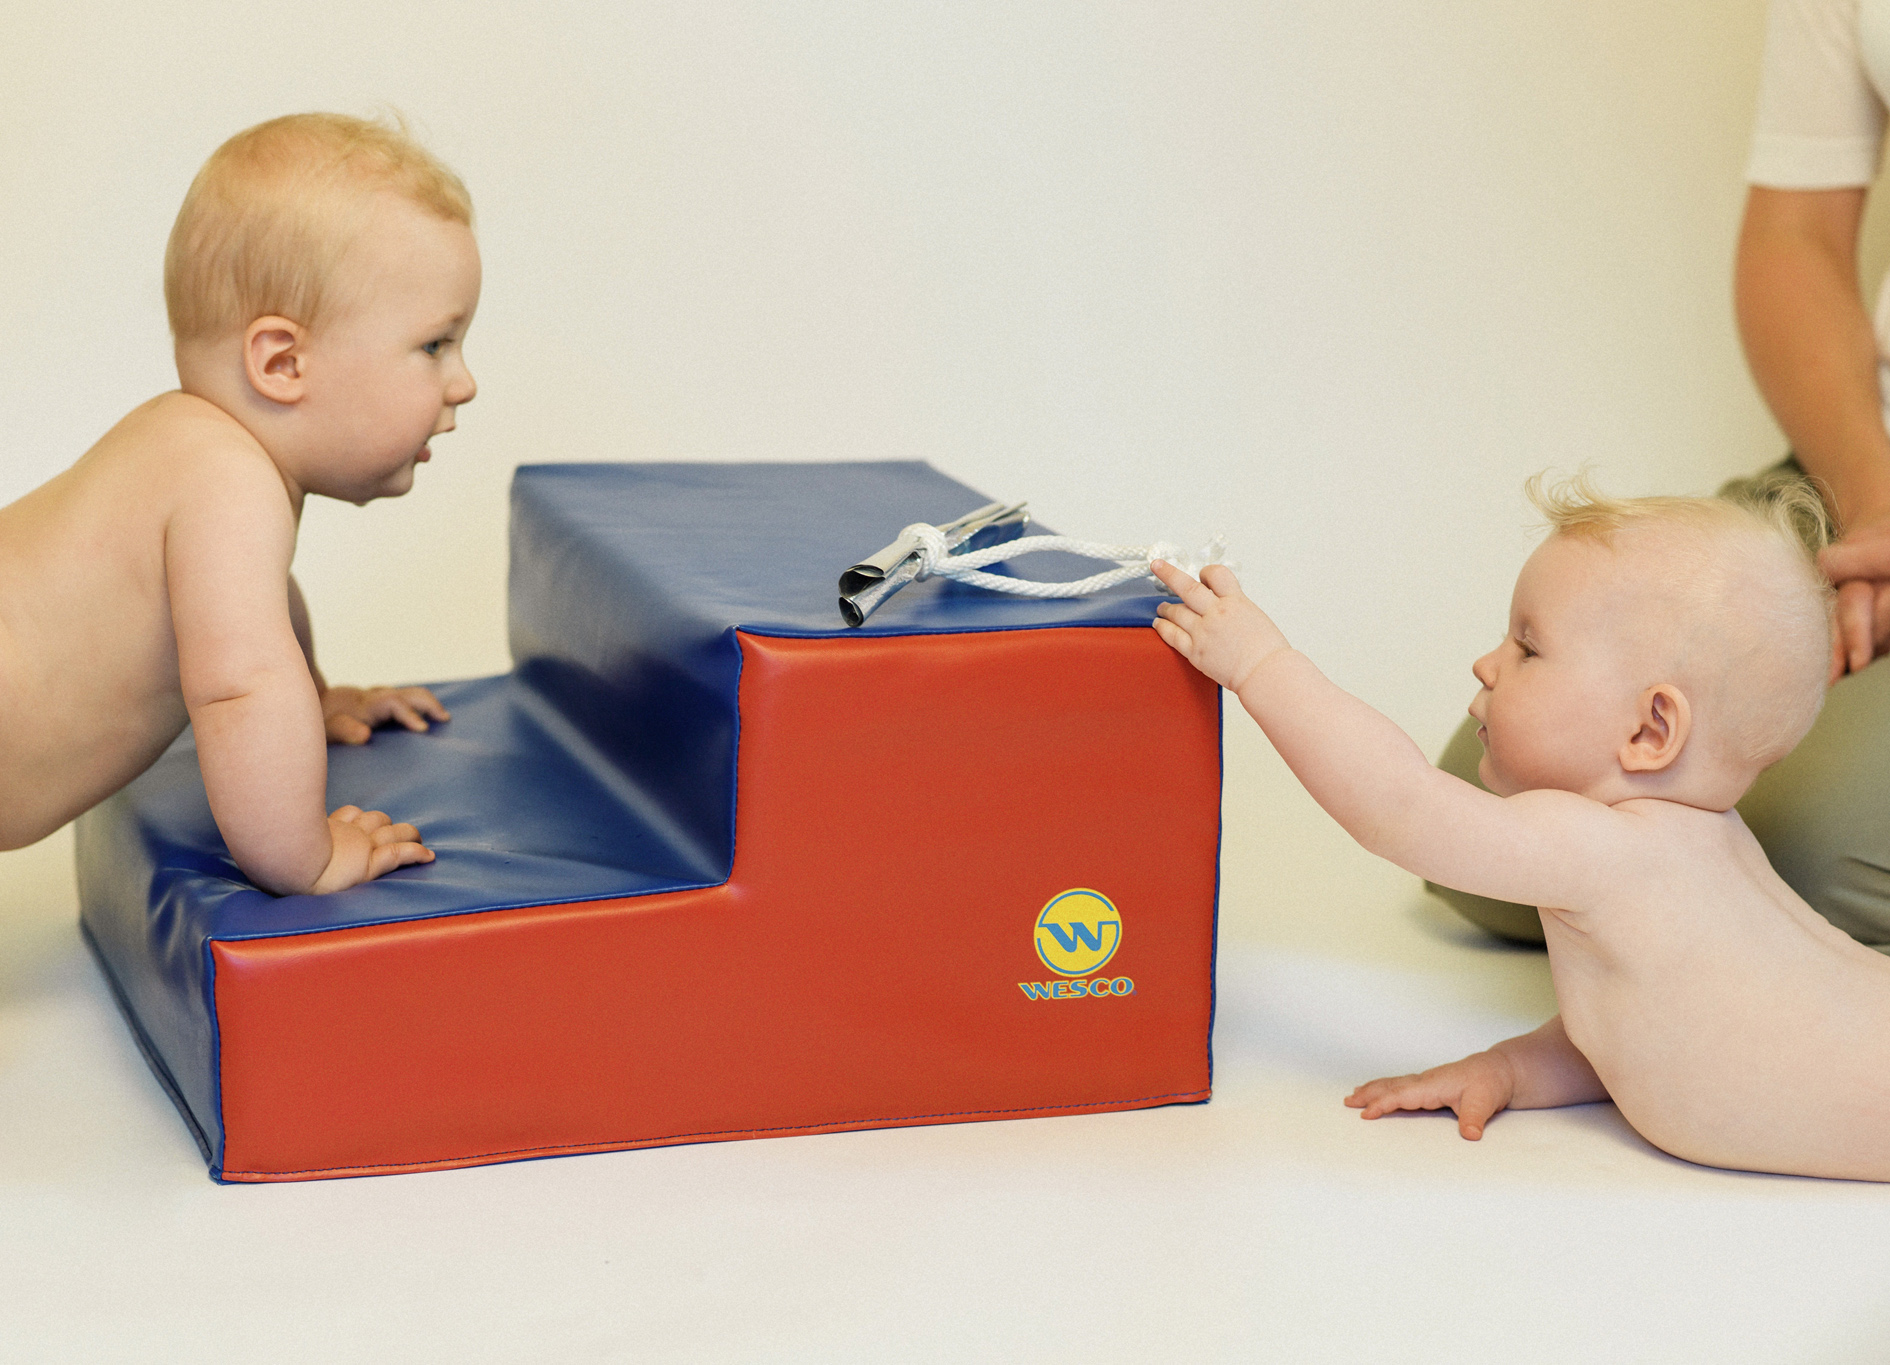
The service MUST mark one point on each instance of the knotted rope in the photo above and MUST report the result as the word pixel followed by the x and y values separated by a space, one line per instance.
pixel 1132 561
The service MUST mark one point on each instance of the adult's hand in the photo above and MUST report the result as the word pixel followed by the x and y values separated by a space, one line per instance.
pixel 1813 352
pixel 1859 564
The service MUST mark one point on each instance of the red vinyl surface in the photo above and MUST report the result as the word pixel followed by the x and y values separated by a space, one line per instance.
pixel 906 808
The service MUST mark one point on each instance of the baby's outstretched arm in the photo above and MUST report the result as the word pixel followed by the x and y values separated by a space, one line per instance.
pixel 1539 1070
pixel 250 694
pixel 1541 847
pixel 350 714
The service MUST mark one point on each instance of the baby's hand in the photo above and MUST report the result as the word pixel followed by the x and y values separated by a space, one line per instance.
pixel 1215 627
pixel 351 713
pixel 1477 1087
pixel 367 844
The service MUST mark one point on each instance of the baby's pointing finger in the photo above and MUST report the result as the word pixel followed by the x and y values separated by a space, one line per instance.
pixel 1169 576
pixel 1182 585
pixel 396 834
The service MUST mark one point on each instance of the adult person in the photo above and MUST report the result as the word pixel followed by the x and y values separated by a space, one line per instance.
pixel 1823 813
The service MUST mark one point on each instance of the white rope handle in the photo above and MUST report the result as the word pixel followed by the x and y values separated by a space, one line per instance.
pixel 1132 561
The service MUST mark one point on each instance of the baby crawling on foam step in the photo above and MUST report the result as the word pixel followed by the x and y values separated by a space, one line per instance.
pixel 320 278
pixel 1661 653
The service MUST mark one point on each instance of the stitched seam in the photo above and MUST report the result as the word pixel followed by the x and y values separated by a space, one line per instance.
pixel 729 1132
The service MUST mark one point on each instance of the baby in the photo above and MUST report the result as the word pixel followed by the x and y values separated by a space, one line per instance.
pixel 320 279
pixel 1661 652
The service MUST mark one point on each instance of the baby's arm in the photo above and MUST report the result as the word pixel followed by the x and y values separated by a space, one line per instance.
pixel 1540 1070
pixel 250 694
pixel 349 714
pixel 1537 847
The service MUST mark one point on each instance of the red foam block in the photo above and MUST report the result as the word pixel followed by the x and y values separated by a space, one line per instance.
pixel 906 808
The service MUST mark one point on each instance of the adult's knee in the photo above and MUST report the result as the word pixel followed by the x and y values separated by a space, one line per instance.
pixel 1822 814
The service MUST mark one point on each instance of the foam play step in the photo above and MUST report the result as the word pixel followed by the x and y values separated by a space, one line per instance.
pixel 711 865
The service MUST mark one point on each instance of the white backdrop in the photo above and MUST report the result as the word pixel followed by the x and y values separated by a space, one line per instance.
pixel 1332 278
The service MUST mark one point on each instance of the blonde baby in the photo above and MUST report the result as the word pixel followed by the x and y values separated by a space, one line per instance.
pixel 320 280
pixel 1661 652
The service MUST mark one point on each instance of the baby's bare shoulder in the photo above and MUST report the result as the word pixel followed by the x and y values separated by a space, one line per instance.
pixel 191 455
pixel 168 455
pixel 1675 820
pixel 182 428
pixel 1680 839
pixel 1697 870
pixel 1582 825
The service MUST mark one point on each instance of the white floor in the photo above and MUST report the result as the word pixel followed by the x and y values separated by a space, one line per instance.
pixel 1269 1225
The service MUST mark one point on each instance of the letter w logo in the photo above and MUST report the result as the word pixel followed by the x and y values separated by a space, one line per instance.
pixel 1068 936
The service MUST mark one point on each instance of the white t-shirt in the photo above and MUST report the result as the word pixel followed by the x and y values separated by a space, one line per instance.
pixel 1822 109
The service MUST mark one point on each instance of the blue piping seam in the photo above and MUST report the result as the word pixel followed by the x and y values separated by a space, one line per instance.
pixel 216 1055
pixel 1220 838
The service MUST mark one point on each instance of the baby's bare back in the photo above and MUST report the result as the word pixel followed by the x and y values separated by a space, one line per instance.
pixel 1731 1023
pixel 89 693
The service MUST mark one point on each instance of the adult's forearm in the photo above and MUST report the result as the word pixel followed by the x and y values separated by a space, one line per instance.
pixel 1809 341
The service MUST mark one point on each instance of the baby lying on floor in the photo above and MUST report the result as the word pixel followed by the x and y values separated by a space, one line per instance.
pixel 1661 653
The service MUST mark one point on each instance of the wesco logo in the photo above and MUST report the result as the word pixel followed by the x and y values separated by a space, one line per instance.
pixel 1078 932
pixel 1075 935
pixel 1076 990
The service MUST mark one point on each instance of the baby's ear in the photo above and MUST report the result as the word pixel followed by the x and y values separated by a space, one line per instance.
pixel 273 359
pixel 1663 720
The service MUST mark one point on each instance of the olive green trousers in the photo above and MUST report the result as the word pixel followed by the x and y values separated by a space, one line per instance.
pixel 1822 813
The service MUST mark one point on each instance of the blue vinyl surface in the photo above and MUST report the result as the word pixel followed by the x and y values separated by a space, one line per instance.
pixel 603 766
pixel 703 547
pixel 629 581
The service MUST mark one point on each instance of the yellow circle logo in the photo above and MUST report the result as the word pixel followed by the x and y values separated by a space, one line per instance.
pixel 1078 932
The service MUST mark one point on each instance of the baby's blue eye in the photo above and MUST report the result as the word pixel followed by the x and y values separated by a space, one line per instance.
pixel 433 347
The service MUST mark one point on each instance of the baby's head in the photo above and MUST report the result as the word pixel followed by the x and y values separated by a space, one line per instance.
pixel 1669 647
pixel 319 279
pixel 268 222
